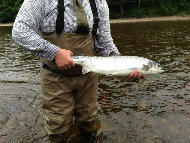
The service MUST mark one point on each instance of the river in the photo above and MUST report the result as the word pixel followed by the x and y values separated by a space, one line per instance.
pixel 156 109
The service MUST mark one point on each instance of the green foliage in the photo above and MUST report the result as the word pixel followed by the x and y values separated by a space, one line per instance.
pixel 150 8
pixel 152 11
pixel 185 5
pixel 9 9
pixel 135 12
pixel 113 15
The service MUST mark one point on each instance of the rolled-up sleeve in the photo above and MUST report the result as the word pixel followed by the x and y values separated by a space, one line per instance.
pixel 104 43
pixel 26 30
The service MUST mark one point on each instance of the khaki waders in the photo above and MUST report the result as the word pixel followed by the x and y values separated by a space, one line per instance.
pixel 69 96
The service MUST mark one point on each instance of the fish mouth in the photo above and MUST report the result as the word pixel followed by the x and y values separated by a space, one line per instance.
pixel 161 71
pixel 160 68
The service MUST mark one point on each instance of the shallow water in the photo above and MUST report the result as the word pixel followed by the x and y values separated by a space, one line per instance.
pixel 152 110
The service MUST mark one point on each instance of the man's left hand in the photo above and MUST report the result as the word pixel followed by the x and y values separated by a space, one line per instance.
pixel 135 75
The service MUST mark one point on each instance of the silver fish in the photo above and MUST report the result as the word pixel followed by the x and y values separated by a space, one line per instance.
pixel 117 65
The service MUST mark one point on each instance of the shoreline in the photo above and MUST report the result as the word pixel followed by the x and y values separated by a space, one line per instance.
pixel 129 20
pixel 149 19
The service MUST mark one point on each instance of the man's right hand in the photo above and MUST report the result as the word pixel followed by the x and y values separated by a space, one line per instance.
pixel 64 60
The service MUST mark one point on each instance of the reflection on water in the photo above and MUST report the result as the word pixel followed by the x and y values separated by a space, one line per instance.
pixel 17 65
pixel 152 110
pixel 155 109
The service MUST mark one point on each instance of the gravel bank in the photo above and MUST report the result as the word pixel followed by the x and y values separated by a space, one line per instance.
pixel 163 18
pixel 126 20
pixel 6 24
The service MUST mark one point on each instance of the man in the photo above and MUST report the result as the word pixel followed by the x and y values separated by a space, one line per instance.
pixel 68 95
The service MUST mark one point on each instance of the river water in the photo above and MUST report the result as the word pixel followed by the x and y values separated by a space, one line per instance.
pixel 156 109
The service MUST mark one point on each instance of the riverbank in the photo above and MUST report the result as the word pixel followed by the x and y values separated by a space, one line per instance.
pixel 127 20
pixel 162 18
pixel 6 24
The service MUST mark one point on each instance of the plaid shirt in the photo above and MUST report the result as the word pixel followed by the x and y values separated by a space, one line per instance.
pixel 35 15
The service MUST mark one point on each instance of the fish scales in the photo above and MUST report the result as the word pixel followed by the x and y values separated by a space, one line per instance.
pixel 117 65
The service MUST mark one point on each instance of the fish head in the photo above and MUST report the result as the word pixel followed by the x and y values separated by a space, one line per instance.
pixel 152 68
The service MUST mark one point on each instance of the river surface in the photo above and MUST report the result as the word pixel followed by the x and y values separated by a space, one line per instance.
pixel 156 109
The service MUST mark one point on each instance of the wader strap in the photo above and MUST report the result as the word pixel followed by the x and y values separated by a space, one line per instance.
pixel 95 18
pixel 60 17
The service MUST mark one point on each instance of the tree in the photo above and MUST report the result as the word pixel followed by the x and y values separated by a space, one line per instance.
pixel 139 5
pixel 9 9
pixel 121 7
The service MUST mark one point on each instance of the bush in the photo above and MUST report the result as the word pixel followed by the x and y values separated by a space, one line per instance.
pixel 9 9
pixel 168 10
pixel 113 15
pixel 133 12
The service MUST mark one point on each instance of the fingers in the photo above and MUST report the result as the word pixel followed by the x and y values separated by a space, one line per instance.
pixel 136 75
pixel 64 60
pixel 70 53
pixel 133 75
pixel 65 67
pixel 143 77
pixel 139 75
pixel 70 63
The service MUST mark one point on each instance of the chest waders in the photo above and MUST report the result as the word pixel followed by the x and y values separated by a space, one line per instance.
pixel 78 44
pixel 68 95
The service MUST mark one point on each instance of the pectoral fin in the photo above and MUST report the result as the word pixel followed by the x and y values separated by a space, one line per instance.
pixel 85 70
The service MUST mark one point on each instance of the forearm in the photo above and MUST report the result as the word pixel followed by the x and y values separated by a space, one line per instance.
pixel 104 43
pixel 32 42
pixel 26 30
